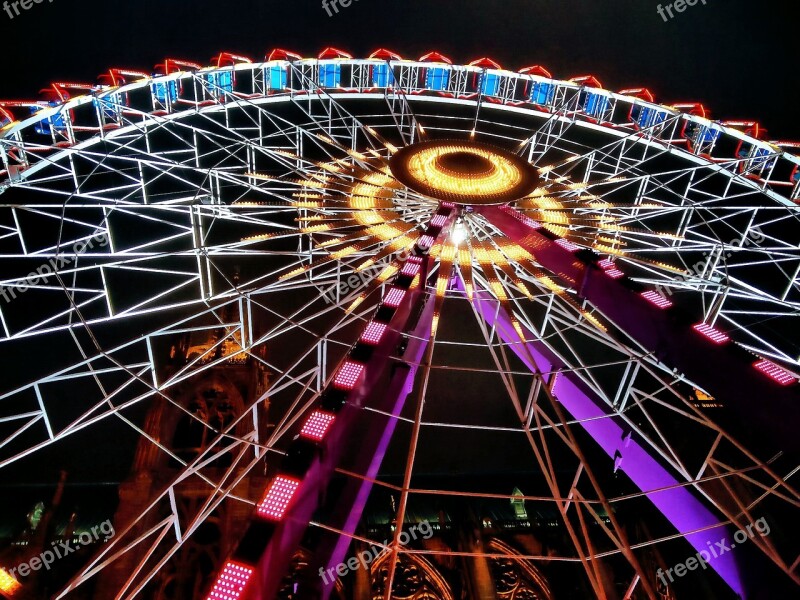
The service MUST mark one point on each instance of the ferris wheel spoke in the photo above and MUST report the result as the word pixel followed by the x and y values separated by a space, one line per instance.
pixel 630 468
pixel 232 332
pixel 719 260
pixel 144 257
pixel 90 418
pixel 659 443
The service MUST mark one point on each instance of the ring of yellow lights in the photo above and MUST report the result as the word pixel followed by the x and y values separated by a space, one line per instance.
pixel 467 173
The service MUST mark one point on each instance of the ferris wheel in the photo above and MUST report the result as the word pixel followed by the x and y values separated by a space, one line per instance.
pixel 420 263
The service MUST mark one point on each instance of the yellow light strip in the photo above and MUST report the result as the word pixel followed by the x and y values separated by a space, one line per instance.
pixel 260 176
pixel 369 203
pixel 379 179
pixel 603 249
pixel 260 237
pixel 402 243
pixel 8 584
pixel 357 155
pixel 557 230
pixel 330 167
pixel 316 228
pixel 293 273
pixel 504 175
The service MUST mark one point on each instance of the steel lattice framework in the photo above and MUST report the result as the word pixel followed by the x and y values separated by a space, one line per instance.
pixel 253 201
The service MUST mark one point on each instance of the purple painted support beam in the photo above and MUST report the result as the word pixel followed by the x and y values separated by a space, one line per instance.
pixel 375 431
pixel 370 371
pixel 678 504
pixel 726 371
pixel 285 537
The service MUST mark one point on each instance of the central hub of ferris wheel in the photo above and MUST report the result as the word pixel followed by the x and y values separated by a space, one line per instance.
pixel 466 173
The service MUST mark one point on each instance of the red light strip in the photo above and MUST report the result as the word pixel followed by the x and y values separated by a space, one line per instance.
pixel 394 297
pixel 610 268
pixel 317 424
pixel 277 498
pixel 231 582
pixel 348 375
pixel 425 242
pixel 657 299
pixel 774 372
pixel 438 220
pixel 715 335
pixel 373 333
pixel 567 245
pixel 411 268
pixel 606 264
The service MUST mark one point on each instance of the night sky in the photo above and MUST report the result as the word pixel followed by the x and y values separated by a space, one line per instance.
pixel 735 56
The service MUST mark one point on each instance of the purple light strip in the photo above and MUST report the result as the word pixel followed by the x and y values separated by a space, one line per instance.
pixel 285 537
pixel 677 504
pixel 401 386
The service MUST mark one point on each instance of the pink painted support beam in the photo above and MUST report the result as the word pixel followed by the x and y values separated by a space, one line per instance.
pixel 381 380
pixel 375 431
pixel 373 371
pixel 725 370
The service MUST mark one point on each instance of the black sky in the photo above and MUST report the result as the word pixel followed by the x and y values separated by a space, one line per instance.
pixel 736 56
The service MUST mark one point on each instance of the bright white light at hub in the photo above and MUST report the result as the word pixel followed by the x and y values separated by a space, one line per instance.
pixel 459 234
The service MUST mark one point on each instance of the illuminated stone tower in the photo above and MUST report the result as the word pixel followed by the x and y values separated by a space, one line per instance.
pixel 179 426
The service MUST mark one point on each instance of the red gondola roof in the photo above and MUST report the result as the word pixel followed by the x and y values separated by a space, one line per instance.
pixel 435 57
pixel 693 108
pixel 384 54
pixel 331 52
pixel 536 70
pixel 172 65
pixel 281 54
pixel 228 58
pixel 588 80
pixel 641 93
pixel 485 63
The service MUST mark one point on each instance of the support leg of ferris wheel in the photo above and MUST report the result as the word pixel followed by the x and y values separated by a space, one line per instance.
pixel 386 383
pixel 375 432
pixel 686 513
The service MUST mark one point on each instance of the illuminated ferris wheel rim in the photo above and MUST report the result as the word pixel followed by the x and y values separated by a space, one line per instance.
pixel 437 101
pixel 636 99
pixel 63 153
pixel 312 91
